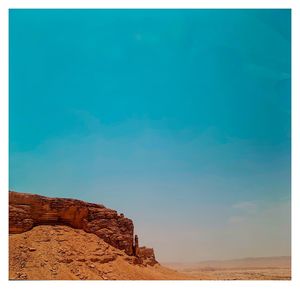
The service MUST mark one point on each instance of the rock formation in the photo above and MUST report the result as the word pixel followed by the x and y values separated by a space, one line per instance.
pixel 27 211
pixel 136 245
pixel 147 255
pixel 59 252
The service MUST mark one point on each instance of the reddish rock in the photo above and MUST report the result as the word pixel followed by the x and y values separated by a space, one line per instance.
pixel 27 211
pixel 147 255
pixel 136 245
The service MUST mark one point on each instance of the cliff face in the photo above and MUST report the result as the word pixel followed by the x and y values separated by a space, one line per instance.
pixel 27 211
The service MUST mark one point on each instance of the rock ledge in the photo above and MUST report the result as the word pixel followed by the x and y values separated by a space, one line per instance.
pixel 29 210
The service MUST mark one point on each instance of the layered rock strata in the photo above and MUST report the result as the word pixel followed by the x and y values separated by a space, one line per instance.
pixel 28 210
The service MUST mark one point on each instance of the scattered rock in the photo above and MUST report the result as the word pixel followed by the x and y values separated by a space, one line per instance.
pixel 37 268
pixel 95 259
pixel 106 259
pixel 22 264
pixel 83 277
pixel 44 240
pixel 67 260
pixel 99 254
pixel 21 275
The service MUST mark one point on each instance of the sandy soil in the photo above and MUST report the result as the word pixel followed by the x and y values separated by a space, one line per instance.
pixel 63 253
pixel 270 268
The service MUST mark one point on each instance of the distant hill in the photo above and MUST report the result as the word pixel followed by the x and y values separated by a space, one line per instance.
pixel 264 268
pixel 259 262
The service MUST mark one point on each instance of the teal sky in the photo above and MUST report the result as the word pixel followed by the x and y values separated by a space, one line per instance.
pixel 180 119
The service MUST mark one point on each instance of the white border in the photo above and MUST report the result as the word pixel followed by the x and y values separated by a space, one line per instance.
pixel 7 4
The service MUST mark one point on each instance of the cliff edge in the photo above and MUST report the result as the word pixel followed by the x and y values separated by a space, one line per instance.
pixel 27 211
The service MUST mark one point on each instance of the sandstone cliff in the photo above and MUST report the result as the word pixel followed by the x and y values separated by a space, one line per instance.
pixel 27 211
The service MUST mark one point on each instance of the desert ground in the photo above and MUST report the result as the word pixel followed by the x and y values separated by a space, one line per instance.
pixel 64 253
pixel 269 268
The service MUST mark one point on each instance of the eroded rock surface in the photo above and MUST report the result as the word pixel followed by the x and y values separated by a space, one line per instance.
pixel 59 252
pixel 28 210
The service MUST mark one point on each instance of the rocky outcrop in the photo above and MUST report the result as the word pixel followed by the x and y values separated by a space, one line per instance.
pixel 27 211
pixel 147 255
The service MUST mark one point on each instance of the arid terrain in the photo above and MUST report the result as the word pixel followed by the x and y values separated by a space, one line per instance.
pixel 63 253
pixel 269 268
pixel 57 238
pixel 67 239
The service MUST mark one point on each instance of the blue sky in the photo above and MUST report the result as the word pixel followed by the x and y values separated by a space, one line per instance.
pixel 178 118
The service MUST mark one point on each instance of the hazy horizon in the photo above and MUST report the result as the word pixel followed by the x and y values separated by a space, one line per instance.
pixel 180 119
